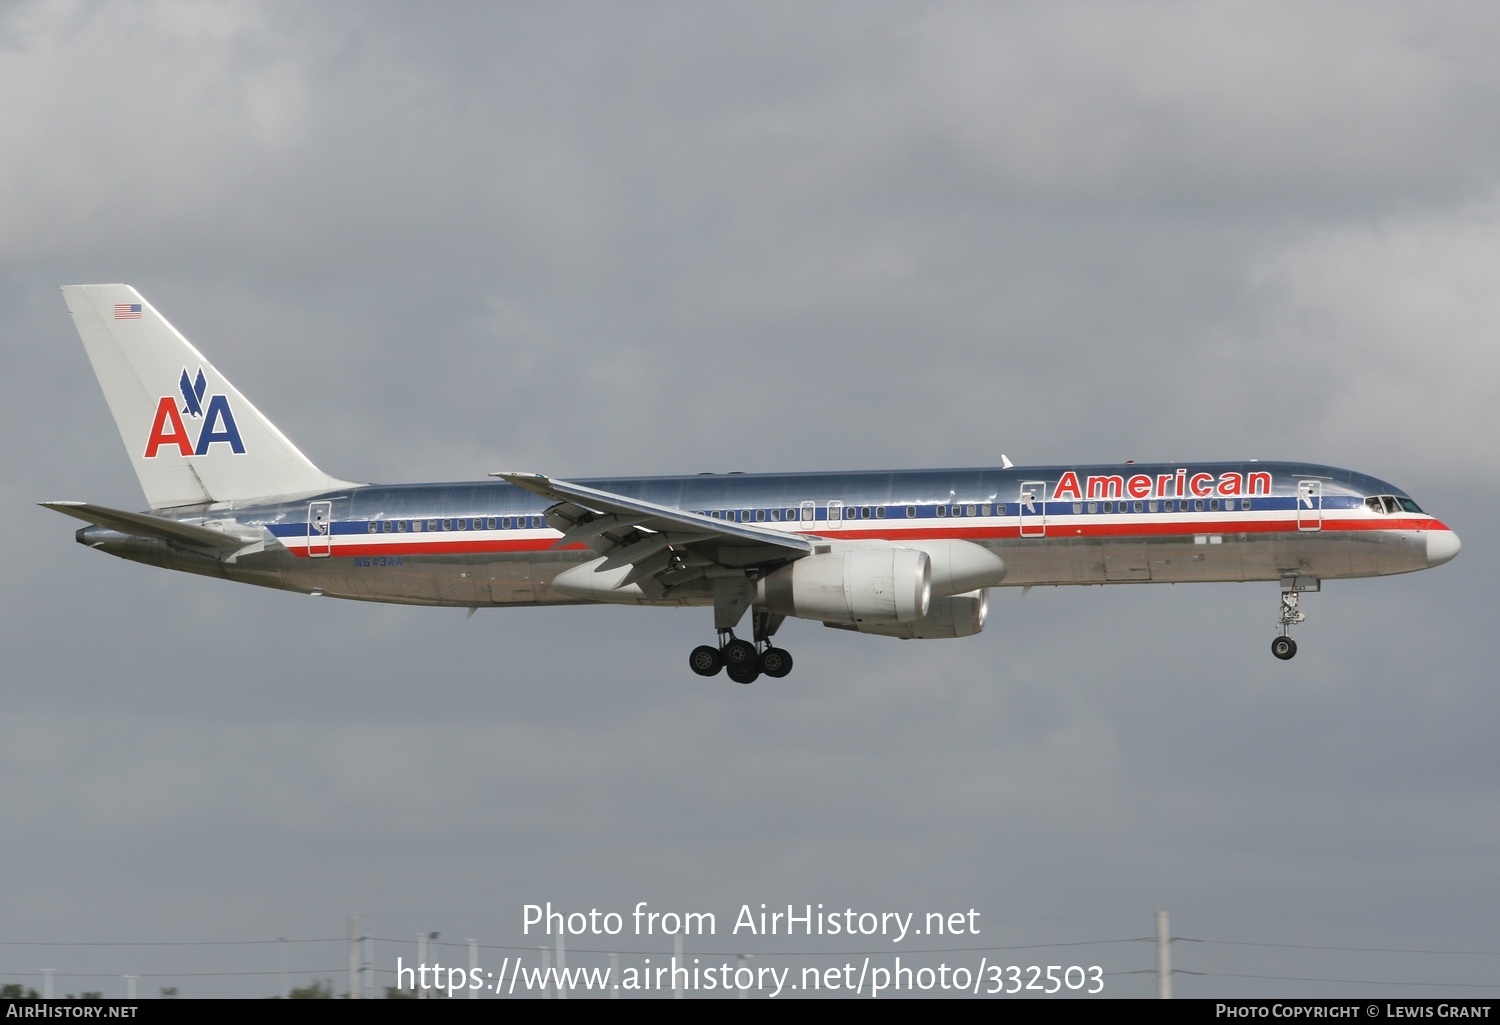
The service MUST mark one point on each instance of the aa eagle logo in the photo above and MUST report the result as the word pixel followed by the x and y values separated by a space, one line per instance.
pixel 169 430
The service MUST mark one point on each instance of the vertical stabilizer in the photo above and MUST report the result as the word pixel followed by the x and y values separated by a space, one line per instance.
pixel 192 437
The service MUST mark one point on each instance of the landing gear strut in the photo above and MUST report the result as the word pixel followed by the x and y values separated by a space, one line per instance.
pixel 1283 647
pixel 744 660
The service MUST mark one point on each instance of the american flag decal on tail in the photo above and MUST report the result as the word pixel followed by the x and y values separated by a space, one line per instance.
pixel 127 311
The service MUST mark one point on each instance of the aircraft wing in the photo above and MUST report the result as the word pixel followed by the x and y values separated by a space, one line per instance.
pixel 146 525
pixel 664 546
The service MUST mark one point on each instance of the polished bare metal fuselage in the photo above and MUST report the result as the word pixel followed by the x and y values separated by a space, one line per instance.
pixel 346 543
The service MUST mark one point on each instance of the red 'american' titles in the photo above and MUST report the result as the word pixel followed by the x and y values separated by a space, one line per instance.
pixel 1164 485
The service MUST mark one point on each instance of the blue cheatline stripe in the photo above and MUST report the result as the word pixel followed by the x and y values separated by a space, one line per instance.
pixel 852 514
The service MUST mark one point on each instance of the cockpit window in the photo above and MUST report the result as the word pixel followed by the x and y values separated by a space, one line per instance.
pixel 1386 504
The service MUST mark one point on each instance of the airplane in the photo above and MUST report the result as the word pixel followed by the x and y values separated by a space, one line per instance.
pixel 905 553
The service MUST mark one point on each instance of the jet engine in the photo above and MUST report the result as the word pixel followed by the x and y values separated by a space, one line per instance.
pixel 961 615
pixel 885 585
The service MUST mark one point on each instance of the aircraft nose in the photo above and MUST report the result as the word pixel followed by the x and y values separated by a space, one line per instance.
pixel 1442 545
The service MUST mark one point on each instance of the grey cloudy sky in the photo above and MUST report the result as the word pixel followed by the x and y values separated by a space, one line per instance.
pixel 435 241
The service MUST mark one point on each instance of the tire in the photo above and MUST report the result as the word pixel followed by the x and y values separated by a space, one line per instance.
pixel 705 661
pixel 744 674
pixel 738 653
pixel 776 662
pixel 1283 648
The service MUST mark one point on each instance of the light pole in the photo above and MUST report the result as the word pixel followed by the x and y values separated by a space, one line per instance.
pixel 422 939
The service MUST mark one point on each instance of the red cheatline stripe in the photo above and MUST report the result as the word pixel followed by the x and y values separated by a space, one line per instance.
pixel 1055 531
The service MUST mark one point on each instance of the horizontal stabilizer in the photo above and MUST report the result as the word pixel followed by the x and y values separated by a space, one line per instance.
pixel 146 525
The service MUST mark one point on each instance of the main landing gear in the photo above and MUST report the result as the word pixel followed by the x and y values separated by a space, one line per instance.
pixel 1283 647
pixel 744 660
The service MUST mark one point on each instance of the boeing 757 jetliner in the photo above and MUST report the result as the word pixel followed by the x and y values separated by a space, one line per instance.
pixel 906 553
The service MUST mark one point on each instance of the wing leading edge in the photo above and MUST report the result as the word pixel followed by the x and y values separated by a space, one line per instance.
pixel 658 547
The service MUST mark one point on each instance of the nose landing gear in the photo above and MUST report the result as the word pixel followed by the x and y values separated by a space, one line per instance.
pixel 1292 587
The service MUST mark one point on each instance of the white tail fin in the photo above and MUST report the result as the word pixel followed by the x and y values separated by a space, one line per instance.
pixel 192 437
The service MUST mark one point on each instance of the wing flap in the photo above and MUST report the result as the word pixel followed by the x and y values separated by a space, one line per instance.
pixel 663 546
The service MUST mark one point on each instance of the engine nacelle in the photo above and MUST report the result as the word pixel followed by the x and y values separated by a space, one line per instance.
pixel 960 566
pixel 961 615
pixel 888 584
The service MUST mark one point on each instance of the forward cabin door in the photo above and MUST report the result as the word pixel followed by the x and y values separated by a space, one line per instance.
pixel 1310 505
